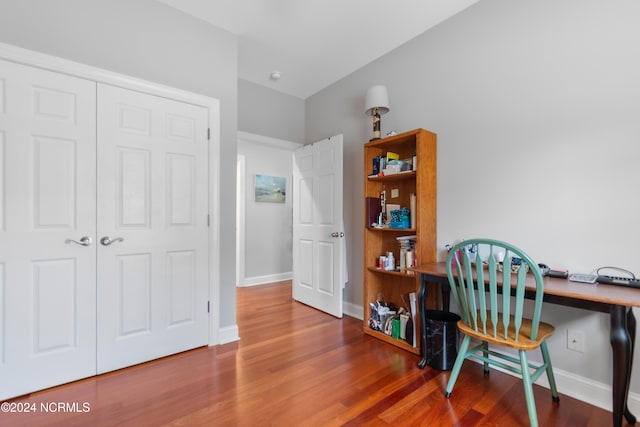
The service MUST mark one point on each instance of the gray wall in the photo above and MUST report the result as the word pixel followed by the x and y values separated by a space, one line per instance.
pixel 268 234
pixel 264 111
pixel 148 40
pixel 537 110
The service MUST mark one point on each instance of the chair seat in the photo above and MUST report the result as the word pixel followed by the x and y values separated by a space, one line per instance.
pixel 522 343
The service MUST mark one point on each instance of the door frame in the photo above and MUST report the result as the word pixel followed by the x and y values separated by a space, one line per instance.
pixel 87 72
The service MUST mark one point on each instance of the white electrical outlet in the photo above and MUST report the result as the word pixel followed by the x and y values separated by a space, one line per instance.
pixel 575 340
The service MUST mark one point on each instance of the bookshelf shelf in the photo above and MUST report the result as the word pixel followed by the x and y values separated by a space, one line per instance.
pixel 395 177
pixel 393 230
pixel 408 274
pixel 398 343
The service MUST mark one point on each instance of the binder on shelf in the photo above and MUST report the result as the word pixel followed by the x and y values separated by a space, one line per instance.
pixel 373 210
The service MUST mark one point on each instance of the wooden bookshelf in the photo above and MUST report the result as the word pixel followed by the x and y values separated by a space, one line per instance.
pixel 378 241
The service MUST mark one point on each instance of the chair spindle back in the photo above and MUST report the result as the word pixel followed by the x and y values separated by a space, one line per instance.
pixel 483 293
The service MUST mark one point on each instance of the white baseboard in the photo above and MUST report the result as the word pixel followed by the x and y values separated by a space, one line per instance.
pixel 584 389
pixel 587 390
pixel 262 280
pixel 228 334
pixel 353 310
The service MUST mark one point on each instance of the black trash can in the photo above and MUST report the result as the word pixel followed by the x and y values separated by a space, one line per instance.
pixel 441 347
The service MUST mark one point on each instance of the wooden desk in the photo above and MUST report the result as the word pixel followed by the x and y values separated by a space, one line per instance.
pixel 617 301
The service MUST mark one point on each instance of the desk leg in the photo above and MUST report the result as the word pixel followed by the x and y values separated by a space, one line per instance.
pixel 622 343
pixel 422 304
pixel 446 296
pixel 631 329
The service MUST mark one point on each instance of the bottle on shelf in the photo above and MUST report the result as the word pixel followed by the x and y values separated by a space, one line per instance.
pixel 391 261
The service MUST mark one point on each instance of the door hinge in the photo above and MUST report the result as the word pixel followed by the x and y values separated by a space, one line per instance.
pixel 208 220
pixel 208 134
pixel 208 306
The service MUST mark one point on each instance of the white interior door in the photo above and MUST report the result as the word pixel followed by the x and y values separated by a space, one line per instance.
pixel 318 231
pixel 153 211
pixel 47 195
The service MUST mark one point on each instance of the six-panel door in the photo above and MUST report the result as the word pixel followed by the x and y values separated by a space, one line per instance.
pixel 153 194
pixel 47 201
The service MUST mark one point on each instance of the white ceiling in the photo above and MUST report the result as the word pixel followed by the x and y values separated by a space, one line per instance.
pixel 314 43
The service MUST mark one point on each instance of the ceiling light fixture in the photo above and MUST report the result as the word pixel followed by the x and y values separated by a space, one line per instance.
pixel 275 75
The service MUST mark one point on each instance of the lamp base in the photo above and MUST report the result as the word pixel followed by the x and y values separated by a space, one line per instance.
pixel 376 125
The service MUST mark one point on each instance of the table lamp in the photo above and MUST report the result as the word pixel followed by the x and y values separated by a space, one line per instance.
pixel 376 103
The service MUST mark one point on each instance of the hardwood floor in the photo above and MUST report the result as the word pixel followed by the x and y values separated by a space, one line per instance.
pixel 295 366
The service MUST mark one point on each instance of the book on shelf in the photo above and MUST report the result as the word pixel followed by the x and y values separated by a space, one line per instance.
pixel 410 302
pixel 412 237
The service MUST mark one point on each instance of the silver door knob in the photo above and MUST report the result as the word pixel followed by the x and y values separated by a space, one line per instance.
pixel 84 241
pixel 337 234
pixel 106 240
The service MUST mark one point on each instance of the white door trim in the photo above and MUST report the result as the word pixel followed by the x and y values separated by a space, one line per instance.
pixel 52 63
pixel 241 204
pixel 269 141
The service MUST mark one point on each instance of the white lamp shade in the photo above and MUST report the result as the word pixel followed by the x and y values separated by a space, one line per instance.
pixel 377 97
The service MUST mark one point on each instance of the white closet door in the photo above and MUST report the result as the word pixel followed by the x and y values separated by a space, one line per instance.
pixel 47 195
pixel 153 194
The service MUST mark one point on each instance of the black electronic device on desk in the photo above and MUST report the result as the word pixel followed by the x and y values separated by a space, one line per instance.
pixel 630 282
pixel 619 281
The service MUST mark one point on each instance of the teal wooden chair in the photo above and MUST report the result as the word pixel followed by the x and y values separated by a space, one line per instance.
pixel 492 316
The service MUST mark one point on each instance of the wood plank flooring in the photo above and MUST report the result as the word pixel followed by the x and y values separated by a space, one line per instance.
pixel 295 366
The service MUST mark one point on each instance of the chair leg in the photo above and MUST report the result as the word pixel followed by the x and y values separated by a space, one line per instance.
pixel 462 354
pixel 485 353
pixel 550 376
pixel 528 389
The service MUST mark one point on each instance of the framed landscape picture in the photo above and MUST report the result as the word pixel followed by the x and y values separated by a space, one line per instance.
pixel 270 189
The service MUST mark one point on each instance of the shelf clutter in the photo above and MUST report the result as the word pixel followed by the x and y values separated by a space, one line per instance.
pixel 407 251
pixel 391 164
pixel 398 323
pixel 407 245
pixel 381 214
